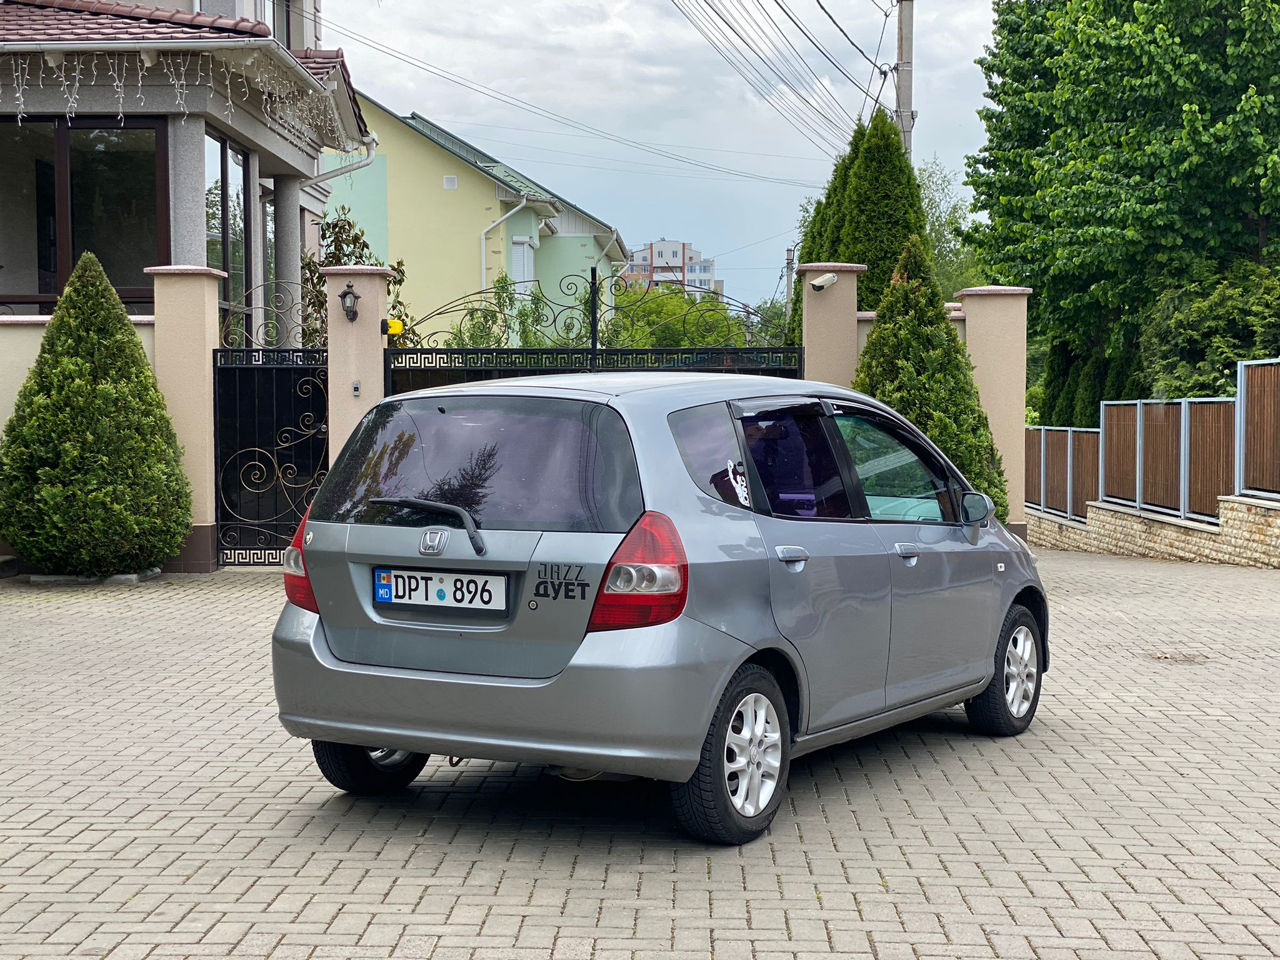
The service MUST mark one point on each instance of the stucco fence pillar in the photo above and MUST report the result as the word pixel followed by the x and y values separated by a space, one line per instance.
pixel 829 322
pixel 356 348
pixel 186 334
pixel 995 331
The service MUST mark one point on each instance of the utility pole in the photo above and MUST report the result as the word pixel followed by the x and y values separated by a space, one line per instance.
pixel 906 116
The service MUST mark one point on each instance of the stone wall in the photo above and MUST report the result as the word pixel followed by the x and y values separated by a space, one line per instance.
pixel 1249 533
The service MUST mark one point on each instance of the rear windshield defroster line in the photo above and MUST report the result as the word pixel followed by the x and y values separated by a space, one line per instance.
pixel 513 463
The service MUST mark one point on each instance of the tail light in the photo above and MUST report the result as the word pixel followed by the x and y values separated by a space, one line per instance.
pixel 647 580
pixel 297 582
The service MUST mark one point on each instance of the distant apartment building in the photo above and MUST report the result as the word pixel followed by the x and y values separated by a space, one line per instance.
pixel 673 261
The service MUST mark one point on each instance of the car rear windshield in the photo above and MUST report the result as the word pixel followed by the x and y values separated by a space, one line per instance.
pixel 514 463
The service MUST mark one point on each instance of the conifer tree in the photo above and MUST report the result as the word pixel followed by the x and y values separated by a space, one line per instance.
pixel 884 210
pixel 91 479
pixel 914 362
pixel 838 222
pixel 826 224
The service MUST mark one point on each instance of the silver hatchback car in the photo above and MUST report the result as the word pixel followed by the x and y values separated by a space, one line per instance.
pixel 694 578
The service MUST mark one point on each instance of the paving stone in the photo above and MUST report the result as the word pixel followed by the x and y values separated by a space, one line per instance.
pixel 151 807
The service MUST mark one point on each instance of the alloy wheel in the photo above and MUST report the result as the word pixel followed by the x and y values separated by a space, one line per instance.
pixel 1021 668
pixel 752 754
pixel 387 757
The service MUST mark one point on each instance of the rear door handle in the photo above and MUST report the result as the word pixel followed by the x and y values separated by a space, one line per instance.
pixel 909 552
pixel 793 557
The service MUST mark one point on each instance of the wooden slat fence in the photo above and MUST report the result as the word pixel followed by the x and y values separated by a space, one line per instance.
pixel 1167 456
pixel 1084 469
pixel 1120 452
pixel 1032 461
pixel 1211 455
pixel 1161 455
pixel 1260 428
pixel 1061 469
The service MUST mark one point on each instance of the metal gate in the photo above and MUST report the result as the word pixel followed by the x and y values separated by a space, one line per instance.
pixel 588 324
pixel 271 449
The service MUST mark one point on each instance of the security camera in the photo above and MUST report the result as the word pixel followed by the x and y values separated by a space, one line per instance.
pixel 824 281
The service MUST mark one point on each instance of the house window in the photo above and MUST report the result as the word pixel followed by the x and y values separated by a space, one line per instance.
pixel 451 182
pixel 96 186
pixel 227 228
pixel 279 11
pixel 522 265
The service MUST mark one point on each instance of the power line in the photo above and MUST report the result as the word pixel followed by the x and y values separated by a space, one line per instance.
pixel 823 7
pixel 809 35
pixel 884 26
pixel 543 112
pixel 755 243
pixel 717 38
pixel 459 121
pixel 639 173
pixel 765 58
pixel 770 33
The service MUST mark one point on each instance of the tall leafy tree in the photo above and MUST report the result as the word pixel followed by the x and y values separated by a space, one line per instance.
pixel 946 216
pixel 1011 242
pixel 914 361
pixel 885 209
pixel 1129 146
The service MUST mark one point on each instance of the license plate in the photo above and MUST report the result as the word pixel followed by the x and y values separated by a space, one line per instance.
pixel 440 588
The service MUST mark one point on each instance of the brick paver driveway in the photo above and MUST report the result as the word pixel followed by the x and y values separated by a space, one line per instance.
pixel 150 806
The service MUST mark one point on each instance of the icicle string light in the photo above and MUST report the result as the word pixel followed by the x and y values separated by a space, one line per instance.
pixel 261 84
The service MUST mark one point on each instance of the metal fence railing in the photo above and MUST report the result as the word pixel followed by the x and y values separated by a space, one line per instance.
pixel 1061 469
pixel 1174 457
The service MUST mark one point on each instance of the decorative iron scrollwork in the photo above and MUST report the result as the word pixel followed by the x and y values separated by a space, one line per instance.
pixel 278 314
pixel 272 449
pixel 592 312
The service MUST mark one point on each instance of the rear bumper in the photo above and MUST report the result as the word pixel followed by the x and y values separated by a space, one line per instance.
pixel 630 701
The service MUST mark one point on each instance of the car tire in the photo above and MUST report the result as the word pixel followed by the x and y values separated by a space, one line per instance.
pixel 367 771
pixel 1008 704
pixel 741 777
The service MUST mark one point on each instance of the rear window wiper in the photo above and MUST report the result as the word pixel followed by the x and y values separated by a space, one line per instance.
pixel 435 505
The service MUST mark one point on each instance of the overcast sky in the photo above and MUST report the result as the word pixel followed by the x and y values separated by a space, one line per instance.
pixel 638 69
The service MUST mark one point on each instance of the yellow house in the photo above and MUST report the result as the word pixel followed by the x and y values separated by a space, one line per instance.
pixel 460 218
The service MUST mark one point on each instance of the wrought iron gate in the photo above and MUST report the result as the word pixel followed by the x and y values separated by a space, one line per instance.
pixel 588 324
pixel 271 450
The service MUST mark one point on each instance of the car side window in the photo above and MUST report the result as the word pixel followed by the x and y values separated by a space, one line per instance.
pixel 797 468
pixel 708 446
pixel 900 483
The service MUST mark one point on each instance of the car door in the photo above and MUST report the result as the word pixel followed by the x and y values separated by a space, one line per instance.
pixel 942 572
pixel 828 572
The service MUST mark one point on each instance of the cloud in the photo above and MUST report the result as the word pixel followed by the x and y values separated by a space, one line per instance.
pixel 637 68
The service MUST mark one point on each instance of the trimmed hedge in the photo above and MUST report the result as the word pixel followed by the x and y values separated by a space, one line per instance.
pixel 91 479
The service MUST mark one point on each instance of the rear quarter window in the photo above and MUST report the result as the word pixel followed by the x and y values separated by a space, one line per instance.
pixel 708 446
pixel 514 463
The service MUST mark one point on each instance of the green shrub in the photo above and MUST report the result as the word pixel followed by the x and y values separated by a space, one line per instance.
pixel 1093 378
pixel 1064 407
pixel 1194 335
pixel 1035 399
pixel 1057 367
pixel 91 479
pixel 914 361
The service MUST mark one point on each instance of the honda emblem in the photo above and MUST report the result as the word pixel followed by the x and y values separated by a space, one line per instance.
pixel 433 542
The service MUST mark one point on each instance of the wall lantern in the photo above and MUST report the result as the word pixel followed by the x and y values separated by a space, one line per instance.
pixel 348 299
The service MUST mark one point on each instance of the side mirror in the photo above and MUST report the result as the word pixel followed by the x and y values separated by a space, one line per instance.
pixel 976 508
